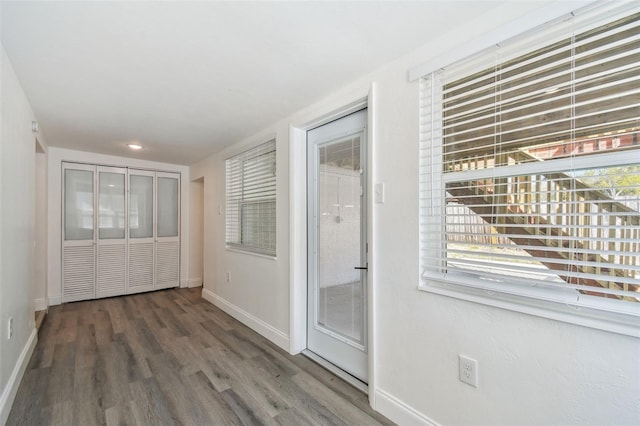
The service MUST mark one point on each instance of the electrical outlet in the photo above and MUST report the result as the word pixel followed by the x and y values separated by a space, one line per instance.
pixel 10 328
pixel 468 370
pixel 228 277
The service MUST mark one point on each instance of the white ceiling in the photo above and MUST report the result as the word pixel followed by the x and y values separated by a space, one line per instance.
pixel 186 79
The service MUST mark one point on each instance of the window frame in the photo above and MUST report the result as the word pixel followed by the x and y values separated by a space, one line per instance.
pixel 236 199
pixel 513 294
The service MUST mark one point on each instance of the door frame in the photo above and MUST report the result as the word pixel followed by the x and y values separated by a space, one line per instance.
pixel 364 98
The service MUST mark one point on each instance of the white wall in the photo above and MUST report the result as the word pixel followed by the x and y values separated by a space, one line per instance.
pixel 54 233
pixel 257 292
pixel 196 232
pixel 532 370
pixel 17 192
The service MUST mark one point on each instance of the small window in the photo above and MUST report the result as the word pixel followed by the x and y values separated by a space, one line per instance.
pixel 251 200
pixel 530 167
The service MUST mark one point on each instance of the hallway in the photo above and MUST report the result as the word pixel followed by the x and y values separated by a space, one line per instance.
pixel 170 357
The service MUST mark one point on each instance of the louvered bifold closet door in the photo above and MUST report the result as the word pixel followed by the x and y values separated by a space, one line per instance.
pixel 111 265
pixel 78 236
pixel 167 230
pixel 141 231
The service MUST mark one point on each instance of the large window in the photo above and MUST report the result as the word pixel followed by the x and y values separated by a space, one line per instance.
pixel 251 200
pixel 530 166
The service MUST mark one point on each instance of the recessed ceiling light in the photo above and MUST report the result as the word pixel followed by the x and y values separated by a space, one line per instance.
pixel 134 146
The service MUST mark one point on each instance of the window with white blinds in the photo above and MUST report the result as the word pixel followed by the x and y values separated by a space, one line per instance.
pixel 251 200
pixel 530 165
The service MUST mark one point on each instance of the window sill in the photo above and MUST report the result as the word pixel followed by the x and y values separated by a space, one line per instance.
pixel 251 253
pixel 538 303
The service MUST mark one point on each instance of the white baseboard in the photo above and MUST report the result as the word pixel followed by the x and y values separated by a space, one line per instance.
pixel 53 301
pixel 399 412
pixel 194 282
pixel 40 304
pixel 9 392
pixel 256 324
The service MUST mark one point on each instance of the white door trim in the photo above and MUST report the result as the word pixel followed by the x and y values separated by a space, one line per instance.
pixel 298 225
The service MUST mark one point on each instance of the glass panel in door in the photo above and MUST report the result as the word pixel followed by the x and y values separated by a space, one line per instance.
pixel 78 205
pixel 111 214
pixel 339 291
pixel 140 206
pixel 167 207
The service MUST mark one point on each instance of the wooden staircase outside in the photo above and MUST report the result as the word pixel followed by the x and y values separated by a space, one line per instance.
pixel 525 206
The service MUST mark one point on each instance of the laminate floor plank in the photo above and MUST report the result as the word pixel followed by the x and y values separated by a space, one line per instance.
pixel 28 411
pixel 149 405
pixel 62 372
pixel 211 398
pixel 58 414
pixel 248 411
pixel 121 415
pixel 171 358
pixel 188 410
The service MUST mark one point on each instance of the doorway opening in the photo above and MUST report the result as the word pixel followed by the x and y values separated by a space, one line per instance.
pixel 40 235
pixel 196 233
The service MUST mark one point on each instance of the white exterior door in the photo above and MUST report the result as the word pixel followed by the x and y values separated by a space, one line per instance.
pixel 337 238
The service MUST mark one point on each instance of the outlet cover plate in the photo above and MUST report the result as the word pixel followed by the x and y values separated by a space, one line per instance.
pixel 468 370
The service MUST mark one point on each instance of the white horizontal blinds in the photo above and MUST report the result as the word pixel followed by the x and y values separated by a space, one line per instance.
pixel 251 199
pixel 557 101
pixel 531 166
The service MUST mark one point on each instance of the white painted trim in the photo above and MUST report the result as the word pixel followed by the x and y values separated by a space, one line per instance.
pixel 297 240
pixel 558 311
pixel 371 241
pixel 194 282
pixel 267 330
pixel 399 412
pixel 9 392
pixel 251 253
pixel 53 301
pixel 40 304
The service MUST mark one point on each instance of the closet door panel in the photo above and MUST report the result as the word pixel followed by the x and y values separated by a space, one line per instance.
pixel 141 231
pixel 111 276
pixel 167 263
pixel 78 236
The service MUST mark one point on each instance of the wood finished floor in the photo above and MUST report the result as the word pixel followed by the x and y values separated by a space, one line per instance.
pixel 170 357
